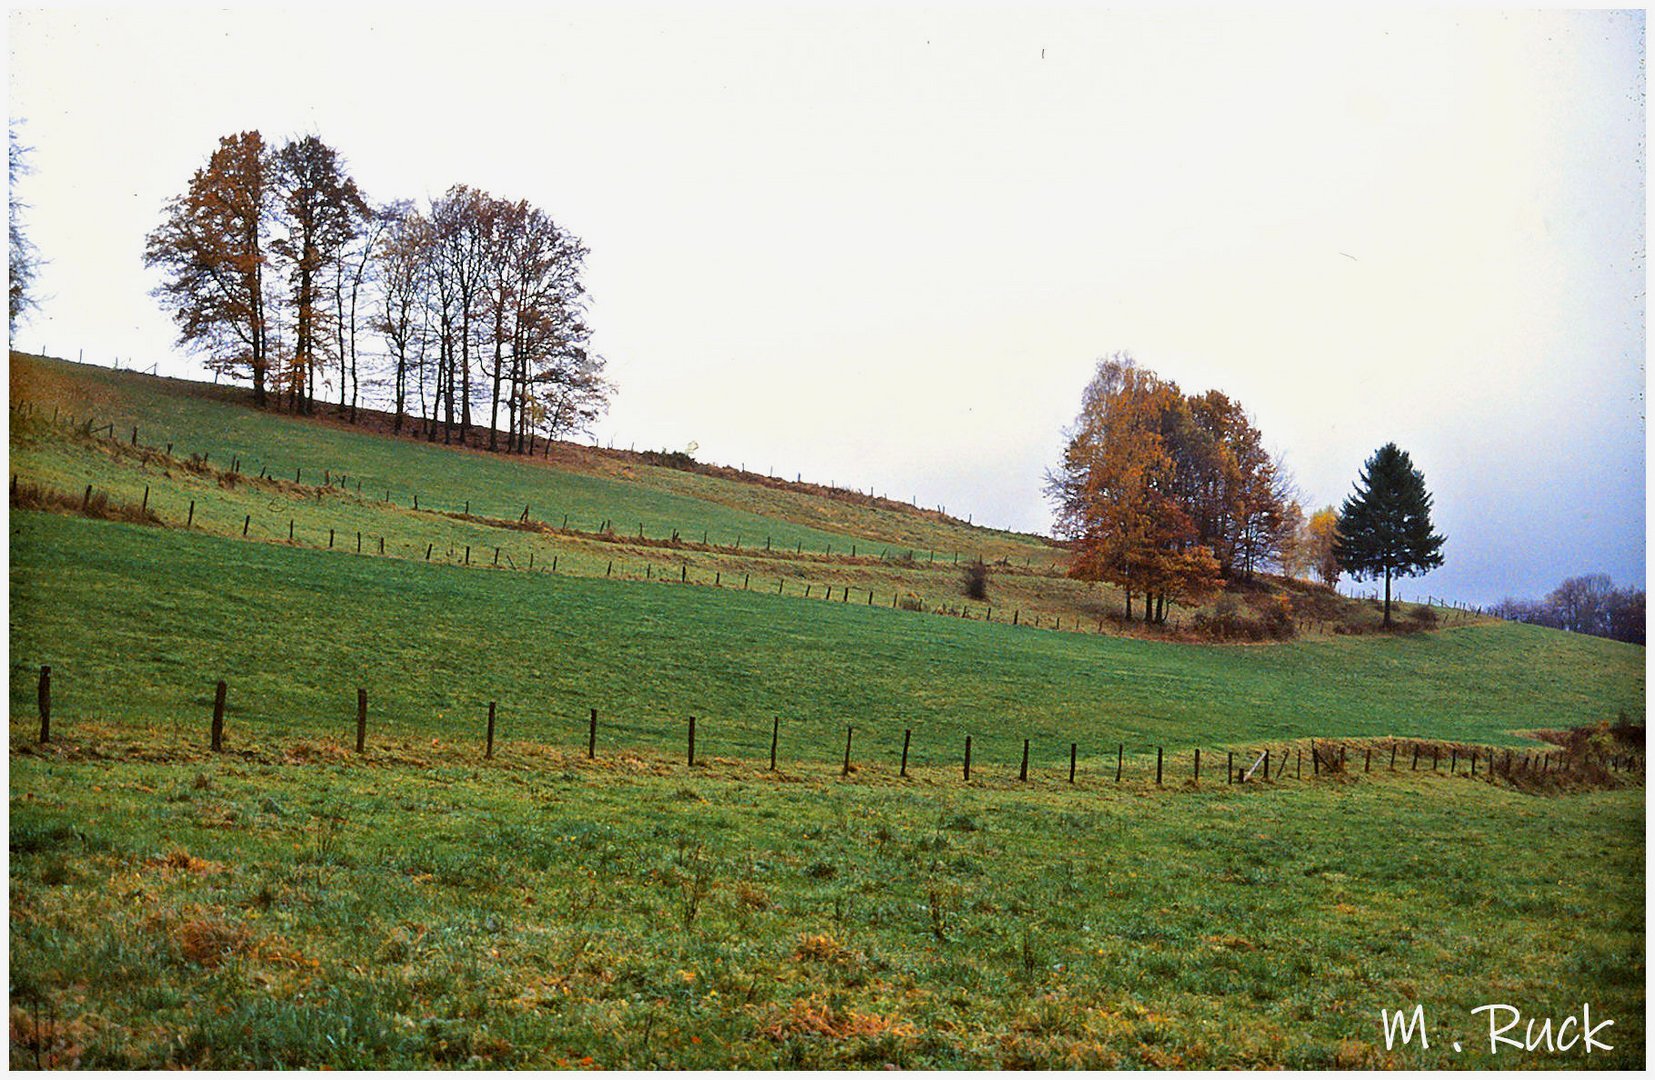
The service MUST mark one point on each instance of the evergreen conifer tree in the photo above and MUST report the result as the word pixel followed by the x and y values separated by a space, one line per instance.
pixel 1385 525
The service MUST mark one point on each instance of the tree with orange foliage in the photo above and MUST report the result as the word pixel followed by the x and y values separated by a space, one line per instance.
pixel 1117 497
pixel 211 245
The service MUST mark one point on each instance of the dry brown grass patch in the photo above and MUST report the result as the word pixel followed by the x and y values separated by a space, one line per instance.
pixel 209 940
pixel 312 751
pixel 813 1016
pixel 182 862
pixel 28 496
pixel 822 947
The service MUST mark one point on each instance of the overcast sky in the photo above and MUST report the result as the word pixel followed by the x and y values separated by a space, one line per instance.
pixel 884 245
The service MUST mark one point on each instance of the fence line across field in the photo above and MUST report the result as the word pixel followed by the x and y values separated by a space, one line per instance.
pixel 810 590
pixel 1329 756
pixel 492 556
pixel 332 480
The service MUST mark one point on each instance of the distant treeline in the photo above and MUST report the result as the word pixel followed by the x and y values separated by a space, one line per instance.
pixel 1590 604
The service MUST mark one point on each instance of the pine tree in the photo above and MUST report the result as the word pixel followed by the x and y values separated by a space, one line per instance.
pixel 1385 526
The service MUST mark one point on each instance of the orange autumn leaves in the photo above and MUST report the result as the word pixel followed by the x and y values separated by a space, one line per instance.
pixel 1167 495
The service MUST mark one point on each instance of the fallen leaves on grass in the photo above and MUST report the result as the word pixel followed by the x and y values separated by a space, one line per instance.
pixel 180 861
pixel 813 1016
pixel 210 941
pixel 823 947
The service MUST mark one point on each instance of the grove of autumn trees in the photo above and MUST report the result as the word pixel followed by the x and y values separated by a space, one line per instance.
pixel 280 270
pixel 1169 495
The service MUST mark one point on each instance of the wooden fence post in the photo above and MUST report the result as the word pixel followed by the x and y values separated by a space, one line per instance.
pixel 846 771
pixel 907 733
pixel 488 752
pixel 1157 765
pixel 145 504
pixel 361 718
pixel 1197 764
pixel 1393 755
pixel 592 737
pixel 1367 764
pixel 692 742
pixel 188 522
pixel 775 736
pixel 1415 767
pixel 1229 766
pixel 1120 760
pixel 968 757
pixel 1023 773
pixel 218 718
pixel 1072 746
pixel 45 704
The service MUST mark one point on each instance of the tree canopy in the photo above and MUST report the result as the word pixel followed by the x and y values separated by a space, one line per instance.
pixel 22 260
pixel 1385 525
pixel 280 270
pixel 1167 495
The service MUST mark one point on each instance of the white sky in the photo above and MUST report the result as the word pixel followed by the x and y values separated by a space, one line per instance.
pixel 884 245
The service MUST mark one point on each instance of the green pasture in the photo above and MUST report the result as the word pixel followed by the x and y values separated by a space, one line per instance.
pixel 138 623
pixel 198 419
pixel 291 903
pixel 233 914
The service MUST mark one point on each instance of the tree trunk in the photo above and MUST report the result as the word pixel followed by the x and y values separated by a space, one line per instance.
pixel 339 323
pixel 494 406
pixel 445 378
pixel 356 285
pixel 1387 597
pixel 465 369
pixel 402 383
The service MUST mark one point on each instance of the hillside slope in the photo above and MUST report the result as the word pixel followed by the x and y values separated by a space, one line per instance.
pixel 197 454
pixel 162 614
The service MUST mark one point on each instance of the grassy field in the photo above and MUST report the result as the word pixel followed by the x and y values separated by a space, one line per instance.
pixel 546 912
pixel 291 903
pixel 590 488
pixel 162 615
pixel 469 502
